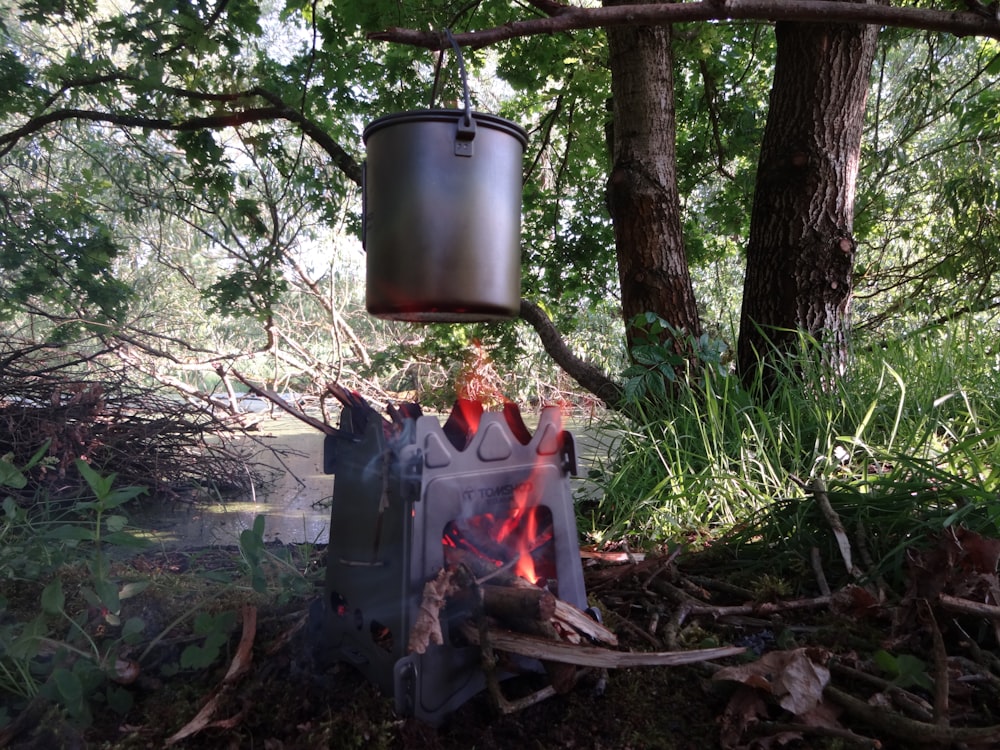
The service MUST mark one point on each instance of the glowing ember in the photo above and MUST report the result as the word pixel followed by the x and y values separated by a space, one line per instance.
pixel 522 538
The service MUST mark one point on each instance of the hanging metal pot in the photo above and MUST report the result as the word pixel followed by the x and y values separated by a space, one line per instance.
pixel 442 215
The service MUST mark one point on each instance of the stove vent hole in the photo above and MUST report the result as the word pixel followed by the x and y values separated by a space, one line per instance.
pixel 381 636
pixel 340 608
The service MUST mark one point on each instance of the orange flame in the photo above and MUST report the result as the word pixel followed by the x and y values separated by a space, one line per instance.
pixel 523 534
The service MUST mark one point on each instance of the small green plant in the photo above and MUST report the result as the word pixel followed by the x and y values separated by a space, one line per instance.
pixel 906 671
pixel 290 580
pixel 55 651
pixel 20 555
pixel 661 351
pixel 215 630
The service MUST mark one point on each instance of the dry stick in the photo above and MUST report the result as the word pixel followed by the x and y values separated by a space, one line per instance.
pixel 771 728
pixel 990 611
pixel 278 401
pixel 684 601
pixel 505 705
pixel 571 617
pixel 987 659
pixel 861 537
pixel 725 587
pixel 836 525
pixel 591 656
pixel 940 668
pixel 509 603
pixel 640 632
pixel 969 607
pixel 917 732
pixel 817 564
pixel 695 607
pixel 490 662
pixel 237 668
pixel 912 704
pixel 979 672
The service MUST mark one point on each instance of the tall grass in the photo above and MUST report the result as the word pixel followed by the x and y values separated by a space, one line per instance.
pixel 907 442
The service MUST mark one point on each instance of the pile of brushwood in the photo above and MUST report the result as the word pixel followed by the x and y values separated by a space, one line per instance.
pixel 59 405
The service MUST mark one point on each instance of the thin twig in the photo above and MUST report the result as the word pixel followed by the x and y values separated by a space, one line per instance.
pixel 836 525
pixel 941 712
pixel 817 565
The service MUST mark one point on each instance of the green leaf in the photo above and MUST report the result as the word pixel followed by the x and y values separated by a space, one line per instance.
pixel 99 485
pixel 125 539
pixel 11 476
pixel 108 593
pixel 133 626
pixel 26 645
pixel 70 689
pixel 67 532
pixel 648 354
pixel 120 700
pixel 90 596
pixel 133 589
pixel 200 657
pixel 115 523
pixel 121 496
pixel 906 670
pixel 53 598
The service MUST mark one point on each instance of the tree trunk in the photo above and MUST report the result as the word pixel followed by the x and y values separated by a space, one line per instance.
pixel 642 185
pixel 800 254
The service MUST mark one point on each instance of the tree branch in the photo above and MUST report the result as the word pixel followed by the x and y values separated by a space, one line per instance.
pixel 279 111
pixel 585 373
pixel 959 23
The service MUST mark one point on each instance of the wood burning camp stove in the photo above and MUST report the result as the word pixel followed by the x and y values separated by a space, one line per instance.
pixel 408 493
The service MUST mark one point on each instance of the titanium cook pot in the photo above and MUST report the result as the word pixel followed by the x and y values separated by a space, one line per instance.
pixel 442 216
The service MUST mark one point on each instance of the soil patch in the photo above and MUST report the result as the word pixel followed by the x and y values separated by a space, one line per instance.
pixel 283 699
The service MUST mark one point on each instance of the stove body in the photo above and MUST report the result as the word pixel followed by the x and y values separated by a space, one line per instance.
pixel 395 496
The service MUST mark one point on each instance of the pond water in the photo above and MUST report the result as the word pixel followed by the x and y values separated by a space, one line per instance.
pixel 295 500
pixel 295 503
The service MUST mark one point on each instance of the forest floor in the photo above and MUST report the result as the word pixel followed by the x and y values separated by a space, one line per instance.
pixel 219 665
pixel 819 683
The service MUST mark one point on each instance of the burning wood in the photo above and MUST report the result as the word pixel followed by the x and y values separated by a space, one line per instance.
pixel 513 616
pixel 517 604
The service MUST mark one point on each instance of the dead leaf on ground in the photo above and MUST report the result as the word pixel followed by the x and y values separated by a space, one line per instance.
pixel 795 678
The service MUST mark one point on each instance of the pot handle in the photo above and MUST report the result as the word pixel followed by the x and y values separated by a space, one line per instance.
pixel 466 131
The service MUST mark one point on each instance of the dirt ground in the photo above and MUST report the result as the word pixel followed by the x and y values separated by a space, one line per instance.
pixel 280 698
pixel 286 700
pixel 838 671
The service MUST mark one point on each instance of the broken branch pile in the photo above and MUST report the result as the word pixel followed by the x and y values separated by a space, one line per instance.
pixel 76 405
pixel 859 664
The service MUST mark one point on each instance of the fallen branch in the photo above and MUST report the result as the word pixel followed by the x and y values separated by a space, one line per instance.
pixel 941 712
pixel 969 607
pixel 237 668
pixel 917 732
pixel 836 526
pixel 593 656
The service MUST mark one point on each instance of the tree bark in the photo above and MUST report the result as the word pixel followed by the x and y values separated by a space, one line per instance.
pixel 800 253
pixel 642 185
